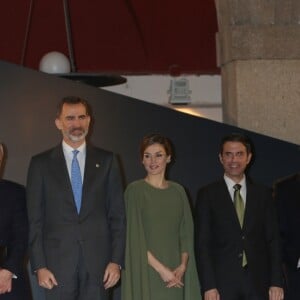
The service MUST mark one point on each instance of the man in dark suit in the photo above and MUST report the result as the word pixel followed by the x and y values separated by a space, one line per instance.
pixel 287 196
pixel 76 240
pixel 237 240
pixel 13 240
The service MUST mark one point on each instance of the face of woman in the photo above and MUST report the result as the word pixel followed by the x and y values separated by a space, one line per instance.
pixel 155 159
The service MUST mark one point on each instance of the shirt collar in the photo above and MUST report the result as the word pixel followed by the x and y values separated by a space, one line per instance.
pixel 230 183
pixel 68 149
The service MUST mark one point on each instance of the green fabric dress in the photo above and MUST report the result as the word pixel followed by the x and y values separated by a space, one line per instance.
pixel 158 220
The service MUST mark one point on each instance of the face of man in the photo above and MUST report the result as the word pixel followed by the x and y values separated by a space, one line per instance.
pixel 74 123
pixel 234 159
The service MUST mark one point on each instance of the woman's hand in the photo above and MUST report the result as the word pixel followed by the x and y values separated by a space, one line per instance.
pixel 170 278
pixel 179 271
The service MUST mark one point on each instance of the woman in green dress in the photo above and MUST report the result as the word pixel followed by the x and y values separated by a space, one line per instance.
pixel 159 262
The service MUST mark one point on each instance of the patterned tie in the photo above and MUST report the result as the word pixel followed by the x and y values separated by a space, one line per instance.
pixel 76 180
pixel 240 210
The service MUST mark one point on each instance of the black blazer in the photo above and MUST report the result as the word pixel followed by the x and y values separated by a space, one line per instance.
pixel 56 228
pixel 13 226
pixel 220 240
pixel 14 238
pixel 287 196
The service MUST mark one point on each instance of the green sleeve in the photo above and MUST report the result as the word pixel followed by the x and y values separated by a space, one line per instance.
pixel 191 281
pixel 136 262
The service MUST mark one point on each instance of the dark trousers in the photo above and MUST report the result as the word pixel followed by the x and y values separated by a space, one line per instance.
pixel 242 289
pixel 80 285
pixel 292 290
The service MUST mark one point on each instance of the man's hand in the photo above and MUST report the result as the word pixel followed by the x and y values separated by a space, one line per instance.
pixel 46 278
pixel 5 281
pixel 111 275
pixel 276 293
pixel 212 294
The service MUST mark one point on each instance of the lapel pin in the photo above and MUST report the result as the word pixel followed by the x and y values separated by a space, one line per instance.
pixel 97 165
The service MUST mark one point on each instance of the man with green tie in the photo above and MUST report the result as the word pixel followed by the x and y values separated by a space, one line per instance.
pixel 237 240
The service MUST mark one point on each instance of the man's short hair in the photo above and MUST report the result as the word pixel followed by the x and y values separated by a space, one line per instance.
pixel 236 137
pixel 72 100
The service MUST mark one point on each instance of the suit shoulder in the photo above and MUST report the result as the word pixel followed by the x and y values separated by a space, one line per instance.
pixel 100 151
pixel 43 155
pixel 287 181
pixel 258 186
pixel 212 186
pixel 12 189
pixel 12 185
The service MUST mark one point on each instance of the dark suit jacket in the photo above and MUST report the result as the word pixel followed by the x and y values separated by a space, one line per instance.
pixel 13 235
pixel 56 229
pixel 220 240
pixel 287 196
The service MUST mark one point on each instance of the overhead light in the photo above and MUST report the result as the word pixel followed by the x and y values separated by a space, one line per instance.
pixel 54 63
pixel 59 64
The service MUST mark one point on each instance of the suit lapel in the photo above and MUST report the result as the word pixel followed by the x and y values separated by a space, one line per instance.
pixel 92 165
pixel 228 204
pixel 58 167
pixel 250 205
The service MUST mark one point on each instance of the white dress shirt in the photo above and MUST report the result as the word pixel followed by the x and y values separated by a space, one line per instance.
pixel 80 157
pixel 230 184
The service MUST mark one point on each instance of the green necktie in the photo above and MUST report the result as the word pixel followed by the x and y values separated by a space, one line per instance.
pixel 238 203
pixel 240 210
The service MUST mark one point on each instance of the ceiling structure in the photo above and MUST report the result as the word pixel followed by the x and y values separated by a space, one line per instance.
pixel 118 36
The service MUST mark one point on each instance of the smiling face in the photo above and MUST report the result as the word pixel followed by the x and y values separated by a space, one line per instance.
pixel 155 159
pixel 235 158
pixel 74 123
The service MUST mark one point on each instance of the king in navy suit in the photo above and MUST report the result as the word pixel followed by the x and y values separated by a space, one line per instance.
pixel 76 244
pixel 13 240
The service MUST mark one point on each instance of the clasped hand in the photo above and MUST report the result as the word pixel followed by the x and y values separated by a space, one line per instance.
pixel 173 278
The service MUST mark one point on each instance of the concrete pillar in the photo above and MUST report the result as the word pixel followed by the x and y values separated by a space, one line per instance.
pixel 259 54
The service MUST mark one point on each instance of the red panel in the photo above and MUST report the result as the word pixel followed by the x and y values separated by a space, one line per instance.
pixel 123 36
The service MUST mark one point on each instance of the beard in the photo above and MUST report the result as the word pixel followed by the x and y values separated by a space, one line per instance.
pixel 76 134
